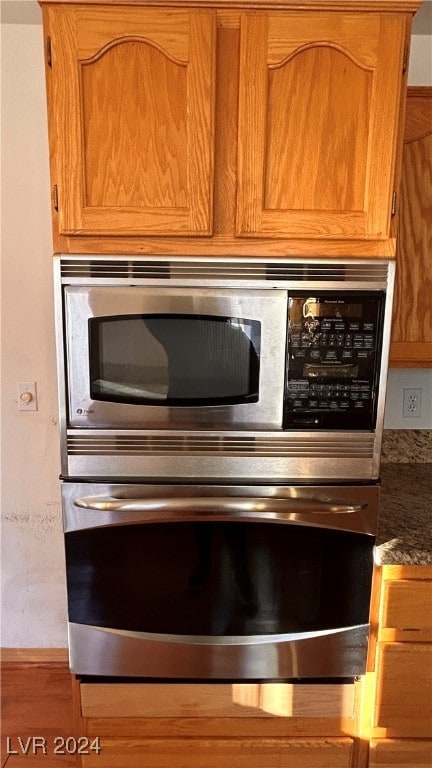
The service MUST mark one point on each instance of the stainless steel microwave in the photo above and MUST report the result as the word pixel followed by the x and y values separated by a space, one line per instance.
pixel 206 369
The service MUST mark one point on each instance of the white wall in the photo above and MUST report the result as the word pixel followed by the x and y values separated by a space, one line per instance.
pixel 32 583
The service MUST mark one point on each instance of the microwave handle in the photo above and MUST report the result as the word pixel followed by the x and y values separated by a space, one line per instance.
pixel 206 507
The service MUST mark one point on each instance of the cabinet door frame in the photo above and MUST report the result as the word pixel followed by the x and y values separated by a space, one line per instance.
pixel 82 34
pixel 273 40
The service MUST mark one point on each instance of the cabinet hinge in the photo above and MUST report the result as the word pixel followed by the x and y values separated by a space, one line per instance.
pixel 55 197
pixel 393 207
pixel 405 58
pixel 49 52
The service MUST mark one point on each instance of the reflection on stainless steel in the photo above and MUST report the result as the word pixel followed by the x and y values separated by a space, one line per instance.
pixel 335 653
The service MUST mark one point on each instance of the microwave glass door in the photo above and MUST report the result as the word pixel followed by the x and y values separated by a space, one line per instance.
pixel 175 358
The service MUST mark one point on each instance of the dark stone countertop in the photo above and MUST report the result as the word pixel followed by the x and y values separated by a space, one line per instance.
pixel 405 521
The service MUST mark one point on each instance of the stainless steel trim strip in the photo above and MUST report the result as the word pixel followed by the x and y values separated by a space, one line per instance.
pixel 223 468
pixel 99 651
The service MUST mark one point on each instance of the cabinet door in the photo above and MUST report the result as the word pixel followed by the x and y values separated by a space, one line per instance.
pixel 400 753
pixel 412 316
pixel 223 753
pixel 406 611
pixel 403 701
pixel 318 112
pixel 133 91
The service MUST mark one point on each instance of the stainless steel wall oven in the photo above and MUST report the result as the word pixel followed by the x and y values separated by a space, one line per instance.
pixel 221 427
pixel 219 582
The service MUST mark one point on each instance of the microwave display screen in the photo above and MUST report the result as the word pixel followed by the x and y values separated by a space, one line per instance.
pixel 181 360
pixel 334 309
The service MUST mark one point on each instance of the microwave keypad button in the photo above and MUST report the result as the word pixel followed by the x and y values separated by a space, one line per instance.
pixel 365 395
pixel 359 404
pixel 313 403
pixel 334 405
pixel 344 403
pixel 298 403
pixel 363 354
pixel 315 354
pixel 323 404
pixel 347 354
pixel 355 395
pixel 368 326
pixel 326 325
pixel 354 326
pixel 331 354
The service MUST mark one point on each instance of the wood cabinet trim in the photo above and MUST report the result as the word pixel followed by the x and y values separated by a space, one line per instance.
pixel 378 6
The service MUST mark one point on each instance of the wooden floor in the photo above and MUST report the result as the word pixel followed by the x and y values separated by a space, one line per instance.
pixel 36 700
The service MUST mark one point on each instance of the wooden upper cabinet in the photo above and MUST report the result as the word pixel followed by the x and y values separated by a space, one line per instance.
pixel 412 317
pixel 318 119
pixel 133 118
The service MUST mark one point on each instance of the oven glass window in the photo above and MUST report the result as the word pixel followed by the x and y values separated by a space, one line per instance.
pixel 177 360
pixel 218 578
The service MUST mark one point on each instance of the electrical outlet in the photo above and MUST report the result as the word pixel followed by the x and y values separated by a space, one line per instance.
pixel 412 400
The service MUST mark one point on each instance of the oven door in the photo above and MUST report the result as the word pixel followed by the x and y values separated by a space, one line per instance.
pixel 237 583
pixel 175 358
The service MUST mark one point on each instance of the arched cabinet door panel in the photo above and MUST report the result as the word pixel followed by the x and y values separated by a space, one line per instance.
pixel 318 107
pixel 133 90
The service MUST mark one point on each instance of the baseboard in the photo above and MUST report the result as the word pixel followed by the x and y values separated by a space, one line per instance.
pixel 34 656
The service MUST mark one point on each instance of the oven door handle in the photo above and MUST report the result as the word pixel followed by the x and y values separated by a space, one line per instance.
pixel 203 507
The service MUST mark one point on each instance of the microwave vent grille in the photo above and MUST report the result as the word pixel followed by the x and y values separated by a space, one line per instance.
pixel 200 271
pixel 292 446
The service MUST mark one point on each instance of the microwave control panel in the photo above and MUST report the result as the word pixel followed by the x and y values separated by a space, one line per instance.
pixel 333 360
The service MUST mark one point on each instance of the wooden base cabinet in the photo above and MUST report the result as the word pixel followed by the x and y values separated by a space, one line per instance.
pixel 403 696
pixel 401 717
